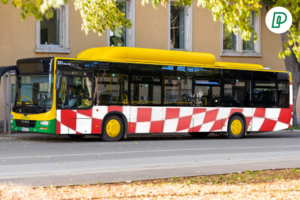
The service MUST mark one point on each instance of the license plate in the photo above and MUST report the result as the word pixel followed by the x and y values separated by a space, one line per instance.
pixel 24 129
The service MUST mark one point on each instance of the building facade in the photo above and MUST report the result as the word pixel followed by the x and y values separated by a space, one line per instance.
pixel 172 27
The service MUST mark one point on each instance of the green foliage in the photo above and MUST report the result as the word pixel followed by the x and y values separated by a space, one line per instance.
pixel 293 34
pixel 234 14
pixel 98 15
pixel 36 8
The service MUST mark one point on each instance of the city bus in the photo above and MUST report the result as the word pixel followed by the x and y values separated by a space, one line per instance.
pixel 117 91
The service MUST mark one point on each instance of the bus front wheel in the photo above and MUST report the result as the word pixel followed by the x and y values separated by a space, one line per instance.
pixel 236 127
pixel 113 129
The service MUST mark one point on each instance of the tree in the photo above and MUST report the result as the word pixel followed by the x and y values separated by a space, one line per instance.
pixel 98 15
pixel 234 14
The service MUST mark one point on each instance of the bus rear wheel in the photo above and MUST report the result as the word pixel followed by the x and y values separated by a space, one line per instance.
pixel 113 129
pixel 236 127
pixel 199 134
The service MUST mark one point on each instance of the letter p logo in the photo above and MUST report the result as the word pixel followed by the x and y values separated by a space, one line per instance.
pixel 278 18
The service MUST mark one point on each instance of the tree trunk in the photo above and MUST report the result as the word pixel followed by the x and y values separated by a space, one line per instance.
pixel 293 66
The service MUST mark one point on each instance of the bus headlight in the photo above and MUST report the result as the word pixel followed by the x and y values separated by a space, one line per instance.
pixel 45 123
pixel 11 121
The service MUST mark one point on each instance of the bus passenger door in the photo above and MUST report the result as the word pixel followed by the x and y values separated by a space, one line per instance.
pixel 145 99
pixel 74 103
pixel 145 117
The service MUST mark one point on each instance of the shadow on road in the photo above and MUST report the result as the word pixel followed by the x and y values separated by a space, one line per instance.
pixel 34 137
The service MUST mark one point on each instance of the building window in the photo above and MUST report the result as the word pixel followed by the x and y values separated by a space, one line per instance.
pixel 177 27
pixel 52 35
pixel 117 38
pixel 126 36
pixel 249 45
pixel 233 45
pixel 229 39
pixel 180 27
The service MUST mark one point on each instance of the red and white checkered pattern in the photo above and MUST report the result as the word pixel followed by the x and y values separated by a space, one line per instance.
pixel 172 119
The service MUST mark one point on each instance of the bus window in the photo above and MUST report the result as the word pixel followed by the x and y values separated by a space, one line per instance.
pixel 62 100
pixel 264 91
pixel 207 92
pixel 76 90
pixel 283 90
pixel 145 84
pixel 207 72
pixel 111 86
pixel 81 92
pixel 237 88
pixel 178 85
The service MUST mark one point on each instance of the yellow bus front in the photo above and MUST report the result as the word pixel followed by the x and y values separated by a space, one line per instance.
pixel 34 97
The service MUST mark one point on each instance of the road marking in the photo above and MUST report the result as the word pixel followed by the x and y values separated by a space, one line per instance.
pixel 151 151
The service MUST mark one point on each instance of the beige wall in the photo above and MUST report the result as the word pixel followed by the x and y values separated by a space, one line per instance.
pixel 151 26
pixel 18 39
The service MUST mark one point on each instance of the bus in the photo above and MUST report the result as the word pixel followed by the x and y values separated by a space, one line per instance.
pixel 117 91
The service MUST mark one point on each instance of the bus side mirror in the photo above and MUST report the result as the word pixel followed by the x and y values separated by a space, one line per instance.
pixel 58 80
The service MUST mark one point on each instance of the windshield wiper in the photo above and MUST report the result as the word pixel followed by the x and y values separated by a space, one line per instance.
pixel 36 105
pixel 15 107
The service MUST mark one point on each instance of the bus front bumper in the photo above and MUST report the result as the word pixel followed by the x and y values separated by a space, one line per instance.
pixel 34 126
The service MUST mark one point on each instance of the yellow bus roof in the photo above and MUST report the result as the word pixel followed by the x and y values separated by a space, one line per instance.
pixel 239 66
pixel 162 57
pixel 148 56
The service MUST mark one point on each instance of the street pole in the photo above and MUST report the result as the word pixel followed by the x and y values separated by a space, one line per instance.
pixel 9 102
pixel 4 110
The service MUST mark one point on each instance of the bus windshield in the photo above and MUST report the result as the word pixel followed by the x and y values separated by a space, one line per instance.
pixel 34 94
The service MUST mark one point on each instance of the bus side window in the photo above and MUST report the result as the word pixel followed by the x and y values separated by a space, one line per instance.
pixel 264 91
pixel 237 88
pixel 145 84
pixel 283 90
pixel 81 92
pixel 111 85
pixel 207 92
pixel 178 85
pixel 63 92
pixel 207 87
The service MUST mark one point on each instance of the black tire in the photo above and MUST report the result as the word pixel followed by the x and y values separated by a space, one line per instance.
pixel 239 132
pixel 105 136
pixel 76 137
pixel 199 134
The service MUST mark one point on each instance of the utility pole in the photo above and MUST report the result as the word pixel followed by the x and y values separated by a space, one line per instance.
pixel 9 101
pixel 4 102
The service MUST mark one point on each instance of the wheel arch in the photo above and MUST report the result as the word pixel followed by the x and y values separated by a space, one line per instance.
pixel 124 118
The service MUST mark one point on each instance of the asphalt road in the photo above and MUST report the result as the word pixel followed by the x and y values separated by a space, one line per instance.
pixel 43 160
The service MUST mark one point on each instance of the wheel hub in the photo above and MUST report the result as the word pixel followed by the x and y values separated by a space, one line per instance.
pixel 113 128
pixel 236 127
